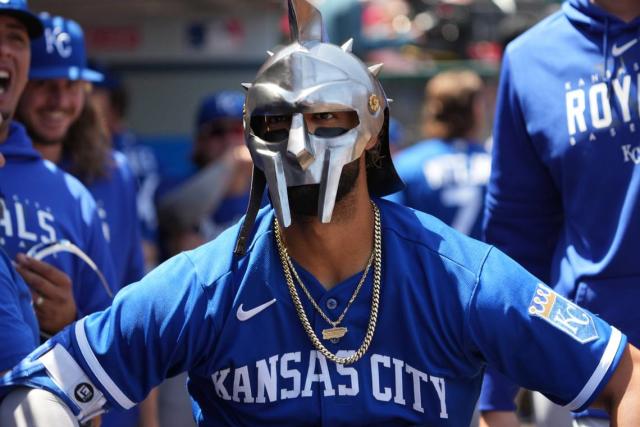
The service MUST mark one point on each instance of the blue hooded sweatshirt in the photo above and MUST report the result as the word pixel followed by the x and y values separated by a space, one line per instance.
pixel 43 204
pixel 563 198
pixel 115 196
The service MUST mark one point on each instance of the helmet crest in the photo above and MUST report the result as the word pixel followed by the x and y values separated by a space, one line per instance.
pixel 305 22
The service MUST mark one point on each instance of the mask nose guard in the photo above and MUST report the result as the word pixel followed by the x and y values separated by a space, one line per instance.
pixel 298 144
pixel 332 172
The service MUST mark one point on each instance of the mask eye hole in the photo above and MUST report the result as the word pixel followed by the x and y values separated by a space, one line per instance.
pixel 327 124
pixel 271 128
pixel 331 124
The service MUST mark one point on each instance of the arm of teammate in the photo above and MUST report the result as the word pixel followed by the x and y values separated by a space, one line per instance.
pixel 523 211
pixel 196 199
pixel 545 342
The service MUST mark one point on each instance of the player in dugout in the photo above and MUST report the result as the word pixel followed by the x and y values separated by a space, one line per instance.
pixel 329 306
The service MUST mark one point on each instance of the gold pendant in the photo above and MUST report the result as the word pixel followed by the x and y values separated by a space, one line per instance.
pixel 334 333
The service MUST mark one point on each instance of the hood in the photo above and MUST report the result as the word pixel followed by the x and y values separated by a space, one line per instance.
pixel 611 30
pixel 18 145
pixel 583 13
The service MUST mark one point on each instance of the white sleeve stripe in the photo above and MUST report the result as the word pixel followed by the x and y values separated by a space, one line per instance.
pixel 72 380
pixel 599 373
pixel 97 369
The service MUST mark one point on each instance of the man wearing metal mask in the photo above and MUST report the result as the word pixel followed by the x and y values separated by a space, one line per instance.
pixel 357 312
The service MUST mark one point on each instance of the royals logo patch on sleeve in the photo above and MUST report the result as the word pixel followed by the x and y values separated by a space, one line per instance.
pixel 563 314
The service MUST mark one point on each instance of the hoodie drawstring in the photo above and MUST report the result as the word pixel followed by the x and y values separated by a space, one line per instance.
pixel 605 42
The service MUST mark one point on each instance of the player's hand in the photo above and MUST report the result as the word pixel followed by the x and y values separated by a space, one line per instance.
pixel 52 293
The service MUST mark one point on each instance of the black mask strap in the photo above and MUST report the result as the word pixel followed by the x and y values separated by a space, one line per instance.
pixel 258 183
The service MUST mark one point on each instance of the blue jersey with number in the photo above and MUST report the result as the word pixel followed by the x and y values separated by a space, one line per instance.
pixel 446 179
pixel 44 204
pixel 18 324
pixel 449 305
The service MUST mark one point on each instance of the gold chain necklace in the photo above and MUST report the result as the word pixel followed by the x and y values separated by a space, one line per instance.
pixel 335 331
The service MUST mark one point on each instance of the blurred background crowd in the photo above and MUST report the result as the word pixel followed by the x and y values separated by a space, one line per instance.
pixel 170 53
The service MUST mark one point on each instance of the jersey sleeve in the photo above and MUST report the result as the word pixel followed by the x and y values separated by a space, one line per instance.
pixel 523 209
pixel 155 329
pixel 537 338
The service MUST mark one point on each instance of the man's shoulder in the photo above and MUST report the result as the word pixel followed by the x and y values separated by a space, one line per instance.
pixel 541 34
pixel 68 191
pixel 422 233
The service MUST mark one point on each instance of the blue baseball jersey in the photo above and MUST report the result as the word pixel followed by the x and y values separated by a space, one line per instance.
pixel 44 204
pixel 446 179
pixel 449 305
pixel 564 194
pixel 18 323
pixel 115 197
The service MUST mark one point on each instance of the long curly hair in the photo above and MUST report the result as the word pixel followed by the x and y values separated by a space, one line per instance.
pixel 88 145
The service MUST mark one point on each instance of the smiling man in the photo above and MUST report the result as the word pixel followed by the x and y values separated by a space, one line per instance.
pixel 357 311
pixel 41 203
pixel 18 326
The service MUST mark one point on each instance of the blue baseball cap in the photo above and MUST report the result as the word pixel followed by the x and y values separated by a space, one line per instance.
pixel 61 53
pixel 19 10
pixel 225 104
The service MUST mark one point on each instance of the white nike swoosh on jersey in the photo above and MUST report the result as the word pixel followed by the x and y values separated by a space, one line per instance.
pixel 619 50
pixel 246 315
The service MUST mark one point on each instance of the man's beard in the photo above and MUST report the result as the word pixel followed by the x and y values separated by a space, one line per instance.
pixel 303 199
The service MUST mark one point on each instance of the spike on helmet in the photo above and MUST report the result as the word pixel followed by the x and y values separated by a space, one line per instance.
pixel 311 76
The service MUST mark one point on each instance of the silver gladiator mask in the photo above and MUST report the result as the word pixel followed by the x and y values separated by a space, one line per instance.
pixel 307 77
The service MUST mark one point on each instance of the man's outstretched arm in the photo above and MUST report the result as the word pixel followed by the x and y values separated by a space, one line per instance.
pixel 620 397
